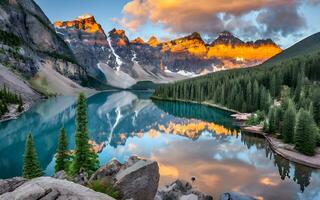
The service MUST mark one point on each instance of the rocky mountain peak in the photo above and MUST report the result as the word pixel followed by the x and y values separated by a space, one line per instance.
pixel 85 16
pixel 227 38
pixel 118 32
pixel 195 35
pixel 119 37
pixel 153 41
pixel 265 42
pixel 85 23
pixel 138 40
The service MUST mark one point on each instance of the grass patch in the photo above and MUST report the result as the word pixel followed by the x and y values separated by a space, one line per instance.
pixel 40 84
pixel 106 188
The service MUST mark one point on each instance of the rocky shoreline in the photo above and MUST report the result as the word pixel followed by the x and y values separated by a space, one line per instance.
pixel 136 179
pixel 286 151
pixel 13 114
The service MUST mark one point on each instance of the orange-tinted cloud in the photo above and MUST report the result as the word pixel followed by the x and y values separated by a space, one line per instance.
pixel 211 16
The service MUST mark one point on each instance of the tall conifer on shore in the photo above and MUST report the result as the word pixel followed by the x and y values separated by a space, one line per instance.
pixel 31 167
pixel 305 133
pixel 84 158
pixel 289 120
pixel 62 154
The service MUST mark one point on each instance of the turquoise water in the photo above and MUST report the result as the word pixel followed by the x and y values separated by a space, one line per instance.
pixel 186 139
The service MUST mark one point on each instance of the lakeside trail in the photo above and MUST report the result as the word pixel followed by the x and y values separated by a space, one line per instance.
pixel 286 151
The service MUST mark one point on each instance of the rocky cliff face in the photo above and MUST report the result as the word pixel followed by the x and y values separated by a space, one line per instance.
pixel 29 46
pixel 111 57
pixel 121 62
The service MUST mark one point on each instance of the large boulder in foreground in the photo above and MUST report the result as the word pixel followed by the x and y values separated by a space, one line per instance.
pixel 136 179
pixel 139 181
pixel 180 190
pixel 47 188
pixel 235 196
pixel 9 185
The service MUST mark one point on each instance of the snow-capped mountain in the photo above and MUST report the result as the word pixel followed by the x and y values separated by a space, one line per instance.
pixel 114 59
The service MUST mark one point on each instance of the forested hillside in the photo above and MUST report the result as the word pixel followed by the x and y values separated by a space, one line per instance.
pixel 250 89
pixel 7 98
pixel 277 92
pixel 306 46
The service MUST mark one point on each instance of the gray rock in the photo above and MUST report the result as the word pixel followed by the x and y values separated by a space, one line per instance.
pixel 47 188
pixel 235 196
pixel 107 173
pixel 180 190
pixel 138 181
pixel 81 178
pixel 9 185
pixel 62 175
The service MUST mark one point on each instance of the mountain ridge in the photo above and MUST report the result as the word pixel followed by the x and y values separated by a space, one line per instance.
pixel 305 46
pixel 188 54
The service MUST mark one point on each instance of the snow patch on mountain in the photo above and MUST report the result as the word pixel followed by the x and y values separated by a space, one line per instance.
pixel 180 72
pixel 118 59
pixel 85 16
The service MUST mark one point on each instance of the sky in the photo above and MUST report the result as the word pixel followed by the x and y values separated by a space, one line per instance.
pixel 284 21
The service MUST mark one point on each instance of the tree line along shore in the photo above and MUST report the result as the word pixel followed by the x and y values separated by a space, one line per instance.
pixel 283 98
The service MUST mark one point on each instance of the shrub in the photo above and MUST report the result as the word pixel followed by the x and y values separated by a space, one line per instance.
pixel 104 187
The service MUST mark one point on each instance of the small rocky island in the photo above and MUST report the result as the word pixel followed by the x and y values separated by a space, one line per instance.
pixel 136 179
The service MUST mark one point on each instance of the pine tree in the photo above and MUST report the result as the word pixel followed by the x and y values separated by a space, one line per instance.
pixel 316 106
pixel 62 154
pixel 20 104
pixel 249 96
pixel 255 95
pixel 272 85
pixel 31 166
pixel 273 120
pixel 289 120
pixel 84 157
pixel 305 133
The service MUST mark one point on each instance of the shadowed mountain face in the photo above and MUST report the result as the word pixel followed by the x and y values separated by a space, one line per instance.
pixel 30 47
pixel 153 60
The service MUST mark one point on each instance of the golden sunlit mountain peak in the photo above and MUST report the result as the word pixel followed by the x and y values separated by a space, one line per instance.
pixel 85 23
pixel 153 41
pixel 138 40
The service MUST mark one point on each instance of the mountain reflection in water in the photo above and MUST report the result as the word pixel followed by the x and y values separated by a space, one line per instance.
pixel 186 139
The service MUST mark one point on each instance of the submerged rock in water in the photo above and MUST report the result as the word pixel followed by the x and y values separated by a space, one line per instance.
pixel 47 188
pixel 235 196
pixel 180 190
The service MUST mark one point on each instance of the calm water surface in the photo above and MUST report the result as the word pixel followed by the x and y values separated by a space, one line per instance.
pixel 186 139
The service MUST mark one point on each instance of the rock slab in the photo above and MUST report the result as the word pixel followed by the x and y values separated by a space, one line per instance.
pixel 136 179
pixel 181 190
pixel 47 188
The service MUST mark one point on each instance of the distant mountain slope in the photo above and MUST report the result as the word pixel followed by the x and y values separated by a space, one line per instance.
pixel 306 46
pixel 29 47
